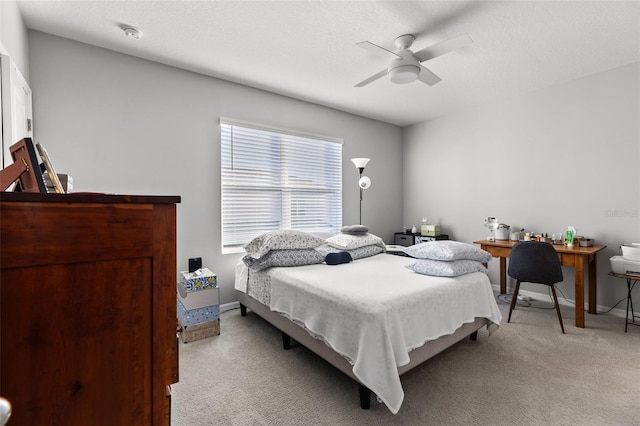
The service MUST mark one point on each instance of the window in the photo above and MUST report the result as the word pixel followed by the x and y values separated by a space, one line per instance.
pixel 274 179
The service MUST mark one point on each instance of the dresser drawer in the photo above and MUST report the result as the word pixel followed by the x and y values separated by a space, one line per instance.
pixel 404 240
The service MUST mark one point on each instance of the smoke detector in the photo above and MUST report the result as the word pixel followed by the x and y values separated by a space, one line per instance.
pixel 132 32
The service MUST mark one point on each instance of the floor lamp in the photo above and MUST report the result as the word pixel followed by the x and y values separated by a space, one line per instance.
pixel 364 182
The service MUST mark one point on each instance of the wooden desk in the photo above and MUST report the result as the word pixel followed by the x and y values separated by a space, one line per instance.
pixel 574 257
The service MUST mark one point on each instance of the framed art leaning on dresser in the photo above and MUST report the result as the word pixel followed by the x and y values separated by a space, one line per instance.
pixel 25 169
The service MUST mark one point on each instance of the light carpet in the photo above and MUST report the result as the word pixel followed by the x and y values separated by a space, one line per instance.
pixel 526 373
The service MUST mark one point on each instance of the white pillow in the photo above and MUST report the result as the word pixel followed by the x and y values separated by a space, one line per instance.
pixel 366 251
pixel 441 268
pixel 448 250
pixel 350 242
pixel 281 240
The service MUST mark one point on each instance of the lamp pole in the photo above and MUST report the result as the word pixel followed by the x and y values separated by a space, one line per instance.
pixel 361 169
pixel 360 164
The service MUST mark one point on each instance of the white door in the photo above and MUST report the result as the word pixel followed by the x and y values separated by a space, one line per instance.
pixel 17 114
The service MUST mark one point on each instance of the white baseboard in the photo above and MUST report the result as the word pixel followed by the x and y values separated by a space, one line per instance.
pixel 229 306
pixel 622 313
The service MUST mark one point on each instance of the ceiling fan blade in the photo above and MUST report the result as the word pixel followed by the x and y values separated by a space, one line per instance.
pixel 372 78
pixel 377 50
pixel 428 77
pixel 443 47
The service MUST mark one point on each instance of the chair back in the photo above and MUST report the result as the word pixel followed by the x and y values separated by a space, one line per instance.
pixel 535 262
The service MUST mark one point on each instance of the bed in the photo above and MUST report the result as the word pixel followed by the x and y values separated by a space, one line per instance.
pixel 372 318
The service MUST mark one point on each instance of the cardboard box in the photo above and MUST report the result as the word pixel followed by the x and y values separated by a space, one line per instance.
pixel 196 316
pixel 191 333
pixel 201 279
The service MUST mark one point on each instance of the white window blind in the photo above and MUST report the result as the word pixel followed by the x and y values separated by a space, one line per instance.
pixel 276 179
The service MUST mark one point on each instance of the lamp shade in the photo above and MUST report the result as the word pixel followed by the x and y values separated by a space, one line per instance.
pixel 360 163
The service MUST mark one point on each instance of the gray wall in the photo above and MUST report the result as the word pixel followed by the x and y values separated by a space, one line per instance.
pixel 120 124
pixel 566 155
pixel 14 36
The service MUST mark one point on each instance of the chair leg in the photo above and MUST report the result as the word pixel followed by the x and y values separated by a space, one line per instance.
pixel 555 300
pixel 514 299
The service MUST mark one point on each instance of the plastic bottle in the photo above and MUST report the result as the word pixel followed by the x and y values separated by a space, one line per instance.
pixel 571 232
pixel 423 226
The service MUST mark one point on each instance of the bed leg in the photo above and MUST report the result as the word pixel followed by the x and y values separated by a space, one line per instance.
pixel 474 336
pixel 243 310
pixel 286 341
pixel 365 397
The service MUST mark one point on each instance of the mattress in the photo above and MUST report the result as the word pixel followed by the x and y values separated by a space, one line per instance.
pixel 256 284
pixel 373 311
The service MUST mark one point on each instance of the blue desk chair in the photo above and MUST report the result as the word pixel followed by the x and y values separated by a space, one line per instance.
pixel 535 262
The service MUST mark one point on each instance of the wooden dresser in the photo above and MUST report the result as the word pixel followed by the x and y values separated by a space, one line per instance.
pixel 88 308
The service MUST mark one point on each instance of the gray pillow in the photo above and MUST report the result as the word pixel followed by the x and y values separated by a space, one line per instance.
pixel 297 257
pixel 354 229
pixel 281 240
pixel 357 253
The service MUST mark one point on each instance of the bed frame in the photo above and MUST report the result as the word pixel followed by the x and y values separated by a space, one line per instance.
pixel 291 330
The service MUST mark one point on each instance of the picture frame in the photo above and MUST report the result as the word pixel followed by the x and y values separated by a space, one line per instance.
pixel 25 168
pixel 48 165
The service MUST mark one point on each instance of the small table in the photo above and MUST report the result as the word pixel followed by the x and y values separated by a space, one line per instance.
pixel 574 257
pixel 631 282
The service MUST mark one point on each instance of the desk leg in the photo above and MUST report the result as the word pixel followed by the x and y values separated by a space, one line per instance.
pixel 593 286
pixel 630 284
pixel 503 275
pixel 579 291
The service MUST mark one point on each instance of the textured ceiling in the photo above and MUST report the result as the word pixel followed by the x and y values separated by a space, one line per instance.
pixel 307 49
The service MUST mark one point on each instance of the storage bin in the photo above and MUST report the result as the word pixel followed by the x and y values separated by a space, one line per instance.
pixel 198 299
pixel 191 333
pixel 193 281
pixel 199 315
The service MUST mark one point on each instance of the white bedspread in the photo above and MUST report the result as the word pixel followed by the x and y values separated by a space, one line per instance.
pixel 374 311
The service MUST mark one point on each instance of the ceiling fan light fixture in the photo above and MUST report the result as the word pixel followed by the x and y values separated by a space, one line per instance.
pixel 404 74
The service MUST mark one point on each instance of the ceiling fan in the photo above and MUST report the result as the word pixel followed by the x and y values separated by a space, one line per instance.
pixel 405 66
